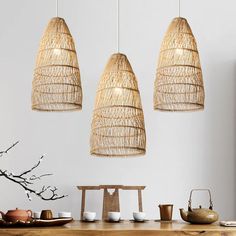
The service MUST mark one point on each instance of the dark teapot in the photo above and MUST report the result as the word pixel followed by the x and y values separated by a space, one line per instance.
pixel 199 215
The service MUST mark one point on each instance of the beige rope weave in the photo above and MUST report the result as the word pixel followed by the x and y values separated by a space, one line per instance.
pixel 56 84
pixel 118 128
pixel 179 84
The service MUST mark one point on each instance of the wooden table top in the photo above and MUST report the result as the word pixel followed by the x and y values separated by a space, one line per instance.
pixel 126 228
pixel 148 225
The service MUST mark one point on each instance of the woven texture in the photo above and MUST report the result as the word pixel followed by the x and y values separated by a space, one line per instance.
pixel 56 84
pixel 179 84
pixel 118 128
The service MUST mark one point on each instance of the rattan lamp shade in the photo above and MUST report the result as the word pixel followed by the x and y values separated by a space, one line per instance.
pixel 179 84
pixel 56 84
pixel 118 128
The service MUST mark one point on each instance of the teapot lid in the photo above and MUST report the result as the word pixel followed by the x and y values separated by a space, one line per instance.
pixel 17 209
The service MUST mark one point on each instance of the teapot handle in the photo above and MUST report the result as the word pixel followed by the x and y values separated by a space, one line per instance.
pixel 190 198
pixel 1 213
pixel 30 214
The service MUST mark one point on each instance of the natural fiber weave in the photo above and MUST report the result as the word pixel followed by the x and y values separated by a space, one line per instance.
pixel 118 128
pixel 56 84
pixel 179 84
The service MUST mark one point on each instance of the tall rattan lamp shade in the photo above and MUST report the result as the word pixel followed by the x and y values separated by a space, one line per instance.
pixel 56 84
pixel 118 128
pixel 179 84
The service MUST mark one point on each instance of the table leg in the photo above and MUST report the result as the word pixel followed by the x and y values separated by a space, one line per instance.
pixel 140 205
pixel 82 204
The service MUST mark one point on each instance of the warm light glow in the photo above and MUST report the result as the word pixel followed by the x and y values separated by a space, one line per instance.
pixel 179 51
pixel 118 91
pixel 56 83
pixel 179 81
pixel 57 51
pixel 118 128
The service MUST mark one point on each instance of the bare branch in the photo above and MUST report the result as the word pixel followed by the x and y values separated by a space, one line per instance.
pixel 46 193
pixel 8 149
pixel 34 167
pixel 34 177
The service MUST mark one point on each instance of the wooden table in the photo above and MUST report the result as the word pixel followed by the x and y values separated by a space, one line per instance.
pixel 125 228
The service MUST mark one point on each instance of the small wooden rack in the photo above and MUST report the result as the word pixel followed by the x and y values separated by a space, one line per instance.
pixel 110 200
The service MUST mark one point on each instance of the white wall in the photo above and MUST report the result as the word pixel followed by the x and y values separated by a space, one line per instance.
pixel 184 150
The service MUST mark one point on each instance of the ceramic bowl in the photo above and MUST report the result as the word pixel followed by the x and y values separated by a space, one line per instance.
pixel 113 216
pixel 37 214
pixel 64 214
pixel 89 216
pixel 139 216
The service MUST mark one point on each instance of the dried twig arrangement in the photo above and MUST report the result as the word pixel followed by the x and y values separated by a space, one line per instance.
pixel 26 179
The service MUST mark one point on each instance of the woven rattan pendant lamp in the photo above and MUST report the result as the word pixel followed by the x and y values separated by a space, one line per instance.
pixel 56 84
pixel 179 84
pixel 118 128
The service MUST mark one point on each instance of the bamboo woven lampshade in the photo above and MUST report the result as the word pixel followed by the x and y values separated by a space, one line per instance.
pixel 56 84
pixel 118 128
pixel 179 84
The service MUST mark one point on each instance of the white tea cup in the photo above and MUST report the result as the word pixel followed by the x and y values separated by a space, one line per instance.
pixel 37 214
pixel 139 216
pixel 64 214
pixel 113 216
pixel 89 216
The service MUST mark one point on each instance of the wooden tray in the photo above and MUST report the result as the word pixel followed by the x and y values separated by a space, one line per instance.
pixel 36 223
pixel 111 221
pixel 89 221
pixel 166 221
pixel 139 221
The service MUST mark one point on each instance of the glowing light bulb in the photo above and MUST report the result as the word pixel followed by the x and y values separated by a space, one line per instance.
pixel 57 51
pixel 118 91
pixel 179 51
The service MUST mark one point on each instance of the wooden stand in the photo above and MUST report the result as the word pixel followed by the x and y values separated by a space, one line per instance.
pixel 110 201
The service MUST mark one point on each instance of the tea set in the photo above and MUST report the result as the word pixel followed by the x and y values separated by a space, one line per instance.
pixel 47 215
pixel 28 215
pixel 193 215
pixel 113 216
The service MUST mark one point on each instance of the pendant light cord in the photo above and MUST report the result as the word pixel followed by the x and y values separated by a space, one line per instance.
pixel 118 26
pixel 57 8
pixel 179 7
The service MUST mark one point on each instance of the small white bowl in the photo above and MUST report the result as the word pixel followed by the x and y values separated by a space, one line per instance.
pixel 89 216
pixel 37 214
pixel 113 216
pixel 139 216
pixel 64 214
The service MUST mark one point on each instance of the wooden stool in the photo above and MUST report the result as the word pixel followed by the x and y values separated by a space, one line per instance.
pixel 110 201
